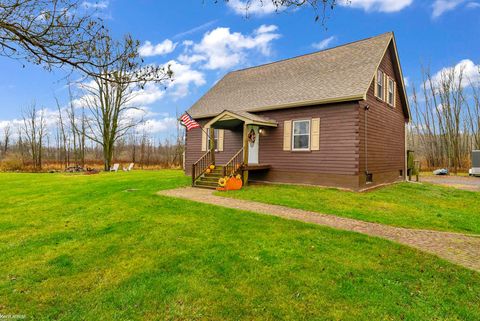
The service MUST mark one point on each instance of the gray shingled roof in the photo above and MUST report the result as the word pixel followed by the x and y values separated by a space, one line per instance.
pixel 338 74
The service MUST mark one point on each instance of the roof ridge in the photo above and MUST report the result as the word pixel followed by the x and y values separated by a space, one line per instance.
pixel 311 53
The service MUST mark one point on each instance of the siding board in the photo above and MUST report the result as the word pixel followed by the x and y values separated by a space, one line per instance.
pixel 341 158
pixel 385 131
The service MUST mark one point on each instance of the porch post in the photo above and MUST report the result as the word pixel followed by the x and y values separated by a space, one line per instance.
pixel 245 153
pixel 211 133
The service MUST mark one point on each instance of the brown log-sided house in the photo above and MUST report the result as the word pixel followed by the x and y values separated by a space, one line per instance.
pixel 333 118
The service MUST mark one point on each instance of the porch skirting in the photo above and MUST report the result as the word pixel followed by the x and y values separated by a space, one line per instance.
pixel 352 182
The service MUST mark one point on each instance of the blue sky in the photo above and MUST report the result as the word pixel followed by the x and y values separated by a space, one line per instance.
pixel 203 41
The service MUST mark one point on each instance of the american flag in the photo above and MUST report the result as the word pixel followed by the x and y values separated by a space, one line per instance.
pixel 189 122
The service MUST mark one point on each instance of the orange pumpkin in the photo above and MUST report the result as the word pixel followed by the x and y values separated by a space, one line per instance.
pixel 208 171
pixel 233 184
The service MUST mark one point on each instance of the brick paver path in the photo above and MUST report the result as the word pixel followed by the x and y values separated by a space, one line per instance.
pixel 455 247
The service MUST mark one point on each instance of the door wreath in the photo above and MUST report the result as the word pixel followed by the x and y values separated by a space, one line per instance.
pixel 252 137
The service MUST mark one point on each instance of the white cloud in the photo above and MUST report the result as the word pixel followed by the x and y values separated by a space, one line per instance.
pixel 163 48
pixel 50 119
pixel 253 7
pixel 195 29
pixel 473 5
pixel 190 60
pixel 266 29
pixel 156 126
pixel 223 49
pixel 377 5
pixel 147 96
pixel 441 6
pixel 469 70
pixel 183 77
pixel 325 43
pixel 6 123
pixel 406 81
pixel 95 4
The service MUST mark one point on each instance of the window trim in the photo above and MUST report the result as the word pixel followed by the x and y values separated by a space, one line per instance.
pixel 309 135
pixel 380 94
pixel 390 80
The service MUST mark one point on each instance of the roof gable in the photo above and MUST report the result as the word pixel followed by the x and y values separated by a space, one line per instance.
pixel 401 81
pixel 342 73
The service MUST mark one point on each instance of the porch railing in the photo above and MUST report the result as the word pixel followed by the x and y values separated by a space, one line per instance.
pixel 234 164
pixel 200 166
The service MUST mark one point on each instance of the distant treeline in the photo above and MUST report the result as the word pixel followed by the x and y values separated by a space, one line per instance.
pixel 446 119
pixel 55 153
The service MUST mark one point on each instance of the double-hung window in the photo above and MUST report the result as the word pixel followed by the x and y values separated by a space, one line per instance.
pixel 380 84
pixel 391 92
pixel 215 139
pixel 301 135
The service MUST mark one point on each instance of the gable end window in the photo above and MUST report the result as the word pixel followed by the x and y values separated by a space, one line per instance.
pixel 301 135
pixel 380 85
pixel 391 92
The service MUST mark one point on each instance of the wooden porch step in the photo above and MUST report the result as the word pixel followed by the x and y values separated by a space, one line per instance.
pixel 206 184
pixel 220 174
pixel 209 178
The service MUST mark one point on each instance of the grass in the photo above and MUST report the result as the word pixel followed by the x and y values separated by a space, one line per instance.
pixel 78 247
pixel 423 206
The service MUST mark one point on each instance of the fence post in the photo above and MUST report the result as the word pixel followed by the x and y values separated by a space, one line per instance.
pixel 193 174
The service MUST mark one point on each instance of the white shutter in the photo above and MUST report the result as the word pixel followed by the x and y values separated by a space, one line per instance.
pixel 385 89
pixel 394 93
pixel 315 134
pixel 221 135
pixel 287 135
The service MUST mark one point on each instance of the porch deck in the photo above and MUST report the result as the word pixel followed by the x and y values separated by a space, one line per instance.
pixel 257 167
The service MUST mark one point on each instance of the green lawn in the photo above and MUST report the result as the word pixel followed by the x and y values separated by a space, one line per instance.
pixel 83 248
pixel 423 206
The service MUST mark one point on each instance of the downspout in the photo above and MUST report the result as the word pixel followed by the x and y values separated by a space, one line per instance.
pixel 405 174
pixel 367 107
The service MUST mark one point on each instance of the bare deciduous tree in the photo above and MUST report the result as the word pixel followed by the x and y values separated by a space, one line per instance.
pixel 320 7
pixel 51 33
pixel 7 133
pixel 33 131
pixel 109 96
pixel 474 113
pixel 446 119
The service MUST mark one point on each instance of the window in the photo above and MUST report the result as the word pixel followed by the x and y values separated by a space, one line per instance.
pixel 368 178
pixel 215 139
pixel 391 92
pixel 380 84
pixel 301 135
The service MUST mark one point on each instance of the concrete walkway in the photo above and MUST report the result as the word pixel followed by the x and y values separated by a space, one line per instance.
pixel 454 247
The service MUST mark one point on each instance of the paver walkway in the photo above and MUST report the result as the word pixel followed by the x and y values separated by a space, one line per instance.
pixel 455 247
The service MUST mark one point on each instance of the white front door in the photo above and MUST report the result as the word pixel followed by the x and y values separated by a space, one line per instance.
pixel 253 141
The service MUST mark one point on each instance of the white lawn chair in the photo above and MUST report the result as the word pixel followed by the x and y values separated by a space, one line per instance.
pixel 129 168
pixel 115 167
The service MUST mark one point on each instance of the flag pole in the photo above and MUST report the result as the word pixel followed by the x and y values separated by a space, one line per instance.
pixel 201 127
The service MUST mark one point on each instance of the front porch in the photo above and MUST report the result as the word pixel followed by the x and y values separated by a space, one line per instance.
pixel 243 160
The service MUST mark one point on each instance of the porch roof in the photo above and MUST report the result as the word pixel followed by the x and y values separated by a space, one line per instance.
pixel 229 119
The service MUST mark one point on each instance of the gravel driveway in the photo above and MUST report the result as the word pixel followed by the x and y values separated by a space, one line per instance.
pixel 460 182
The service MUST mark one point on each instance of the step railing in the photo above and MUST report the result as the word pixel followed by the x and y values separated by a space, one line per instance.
pixel 234 164
pixel 200 166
